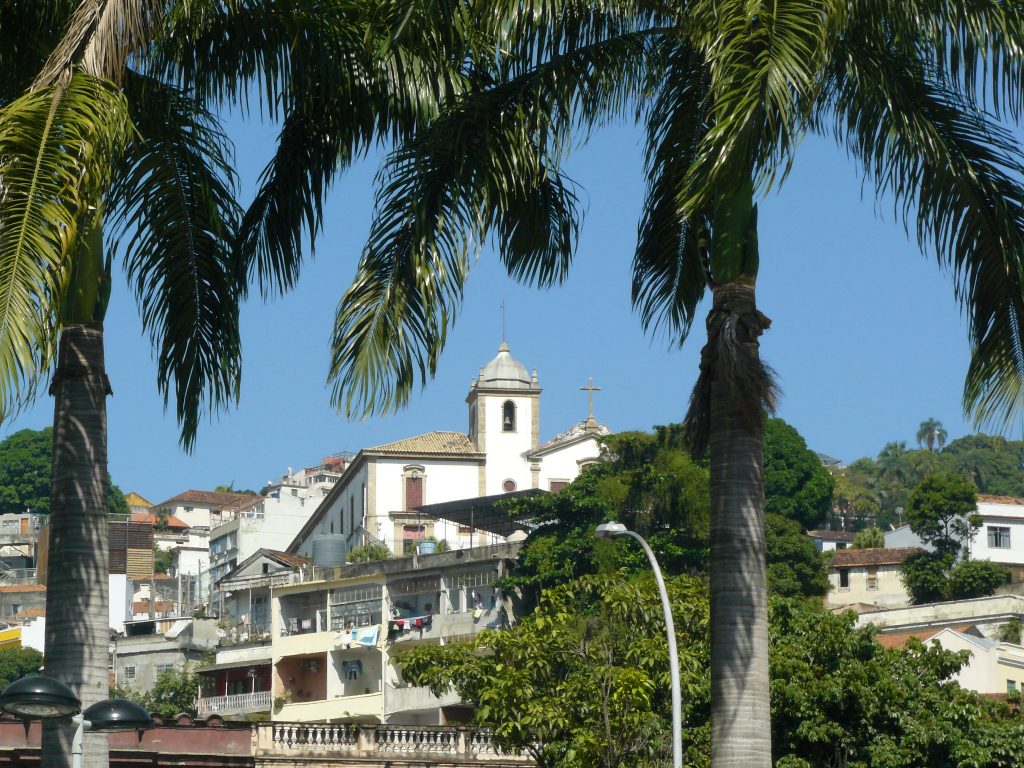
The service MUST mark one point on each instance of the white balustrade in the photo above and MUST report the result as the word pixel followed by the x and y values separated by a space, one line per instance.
pixel 239 702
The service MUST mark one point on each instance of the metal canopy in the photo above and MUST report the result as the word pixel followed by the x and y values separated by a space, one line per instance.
pixel 483 513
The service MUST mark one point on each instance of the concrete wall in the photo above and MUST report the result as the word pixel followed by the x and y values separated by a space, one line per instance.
pixel 888 591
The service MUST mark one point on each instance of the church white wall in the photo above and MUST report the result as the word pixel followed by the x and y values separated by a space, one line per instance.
pixel 338 516
pixel 505 450
pixel 443 481
pixel 564 464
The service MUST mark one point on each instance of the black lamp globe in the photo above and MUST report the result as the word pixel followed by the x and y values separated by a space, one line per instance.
pixel 117 715
pixel 39 697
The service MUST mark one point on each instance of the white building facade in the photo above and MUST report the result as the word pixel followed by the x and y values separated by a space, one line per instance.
pixel 381 490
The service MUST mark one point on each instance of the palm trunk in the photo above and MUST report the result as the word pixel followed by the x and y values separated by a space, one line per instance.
pixel 77 615
pixel 732 396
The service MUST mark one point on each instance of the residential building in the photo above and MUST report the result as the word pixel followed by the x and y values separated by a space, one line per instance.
pixel 151 647
pixel 237 683
pixel 870 576
pixel 383 489
pixel 994 667
pixel 339 633
pixel 137 504
pixel 988 614
pixel 830 541
pixel 999 539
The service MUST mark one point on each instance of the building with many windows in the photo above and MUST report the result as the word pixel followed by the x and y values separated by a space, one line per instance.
pixel 338 634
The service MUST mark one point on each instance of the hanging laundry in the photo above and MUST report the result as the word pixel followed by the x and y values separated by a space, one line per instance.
pixel 352 669
pixel 368 635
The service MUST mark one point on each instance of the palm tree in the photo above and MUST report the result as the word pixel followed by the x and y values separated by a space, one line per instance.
pixel 726 89
pixel 107 127
pixel 932 435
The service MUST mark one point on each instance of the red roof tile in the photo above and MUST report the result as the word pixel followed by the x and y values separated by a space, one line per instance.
pixel 852 558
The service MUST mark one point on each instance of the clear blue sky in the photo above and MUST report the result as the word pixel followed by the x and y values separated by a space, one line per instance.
pixel 866 337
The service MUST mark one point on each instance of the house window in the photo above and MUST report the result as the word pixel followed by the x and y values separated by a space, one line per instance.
pixel 844 578
pixel 872 579
pixel 411 536
pixel 413 479
pixel 840 545
pixel 509 485
pixel 1011 686
pixel 998 537
pixel 129 673
pixel 557 485
pixel 508 416
pixel 266 567
pixel 161 668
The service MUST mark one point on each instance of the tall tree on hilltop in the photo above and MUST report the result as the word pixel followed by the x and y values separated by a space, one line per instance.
pixel 107 125
pixel 726 89
pixel 932 435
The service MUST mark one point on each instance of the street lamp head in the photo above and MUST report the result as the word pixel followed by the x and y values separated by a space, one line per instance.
pixel 38 697
pixel 610 530
pixel 117 715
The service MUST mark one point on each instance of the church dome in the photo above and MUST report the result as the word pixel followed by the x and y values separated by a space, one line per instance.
pixel 505 372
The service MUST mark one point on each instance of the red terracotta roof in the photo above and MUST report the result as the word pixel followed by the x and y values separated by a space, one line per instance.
pixel 30 613
pixel 899 639
pixel 216 499
pixel 288 558
pixel 148 517
pixel 852 558
pixel 990 499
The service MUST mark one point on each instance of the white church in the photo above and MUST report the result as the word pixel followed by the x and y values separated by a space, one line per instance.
pixel 442 485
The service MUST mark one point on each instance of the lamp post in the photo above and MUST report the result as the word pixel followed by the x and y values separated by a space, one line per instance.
pixel 38 697
pixel 613 530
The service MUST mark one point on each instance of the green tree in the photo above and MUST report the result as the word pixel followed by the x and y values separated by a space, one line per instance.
pixel 111 144
pixel 795 566
pixel 584 680
pixel 368 552
pixel 943 511
pixel 993 464
pixel 725 90
pixel 869 538
pixel 25 469
pixel 175 692
pixel 796 485
pixel 16 663
pixel 931 435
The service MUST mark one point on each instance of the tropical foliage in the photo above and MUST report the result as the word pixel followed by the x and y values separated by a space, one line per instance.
pixel 941 512
pixel 726 90
pixel 25 462
pixel 583 681
pixel 648 482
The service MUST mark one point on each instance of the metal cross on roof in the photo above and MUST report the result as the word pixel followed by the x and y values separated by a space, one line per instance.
pixel 590 389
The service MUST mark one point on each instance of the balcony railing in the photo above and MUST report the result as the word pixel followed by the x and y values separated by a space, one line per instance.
pixel 238 702
pixel 377 741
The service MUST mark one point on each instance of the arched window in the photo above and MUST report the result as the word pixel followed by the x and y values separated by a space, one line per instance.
pixel 509 485
pixel 508 416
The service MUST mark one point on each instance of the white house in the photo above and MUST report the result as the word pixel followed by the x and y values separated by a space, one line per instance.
pixel 867 576
pixel 1000 538
pixel 382 489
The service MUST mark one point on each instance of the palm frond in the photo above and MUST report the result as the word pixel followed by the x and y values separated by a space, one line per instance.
pixel 56 145
pixel 957 174
pixel 100 37
pixel 175 216
pixel 668 273
pixel 33 30
pixel 979 45
pixel 488 165
pixel 766 61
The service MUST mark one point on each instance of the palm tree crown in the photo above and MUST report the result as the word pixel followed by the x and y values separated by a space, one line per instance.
pixel 919 95
pixel 932 435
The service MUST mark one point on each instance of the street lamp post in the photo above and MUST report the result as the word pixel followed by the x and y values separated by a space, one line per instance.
pixel 38 697
pixel 613 530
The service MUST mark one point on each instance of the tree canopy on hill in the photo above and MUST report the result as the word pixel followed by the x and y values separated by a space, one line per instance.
pixel 25 459
pixel 648 482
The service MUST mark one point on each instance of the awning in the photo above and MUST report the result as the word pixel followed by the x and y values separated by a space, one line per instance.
pixel 483 512
pixel 235 664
